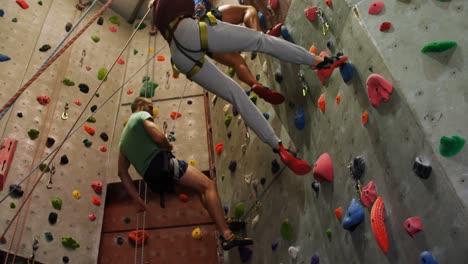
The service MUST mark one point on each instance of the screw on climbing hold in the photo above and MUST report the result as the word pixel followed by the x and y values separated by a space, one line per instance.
pixel 65 114
pixel 323 21
pixel 305 86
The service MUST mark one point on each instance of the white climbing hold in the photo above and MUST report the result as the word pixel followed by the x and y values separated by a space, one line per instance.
pixel 293 251
pixel 265 67
pixel 255 220
pixel 248 178
pixel 239 120
pixel 226 108
pixel 243 148
pixel 213 100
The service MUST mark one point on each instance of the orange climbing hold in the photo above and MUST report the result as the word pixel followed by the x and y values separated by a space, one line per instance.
pixel 313 49
pixel 321 103
pixel 338 99
pixel 23 4
pixel 364 118
pixel 183 197
pixel 338 213
pixel 121 61
pixel 160 58
pixel 219 148
pixel 95 200
pixel 138 237
pixel 328 2
pixel 175 115
pixel 90 130
pixel 378 224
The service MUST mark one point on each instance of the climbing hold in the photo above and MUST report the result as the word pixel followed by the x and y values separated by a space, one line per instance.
pixel 231 71
pixel 175 115
pixel 100 21
pixel 316 187
pixel 315 259
pixel 239 210
pixel 219 148
pixel 160 58
pixel 95 38
pixel 69 242
pixel 378 225
pixel 275 166
pixel 121 61
pixel 329 232
pixel 376 7
pixel 299 118
pixel 357 167
pixel 368 194
pixel 338 213
pixel 2 13
pixel 127 219
pixel 43 99
pixel 95 200
pixel 64 160
pixel 338 99
pixel 39 3
pixel 92 217
pixel 232 165
pixel 50 142
pixel 364 118
pixel 183 198
pixel 426 258
pixel 328 2
pixel 93 108
pixel 97 186
pixel 293 251
pixel 52 218
pixel 14 20
pixel 450 146
pixel 88 68
pixel 196 233
pixel 89 130
pixel 102 73
pixel 421 168
pixel 104 136
pixel 65 259
pixel 22 4
pixel 323 169
pixel 57 203
pixel 135 51
pixel 91 119
pixel 385 26
pixel 274 245
pixel 266 115
pixel 19 114
pixel 4 58
pixel 150 50
pixel 114 20
pixel 313 49
pixel 354 216
pixel 245 253
pixel 84 88
pixel 285 34
pixel 286 230
pixel 346 71
pixel 413 225
pixel 262 20
pixel 48 236
pixel 147 88
pixel 33 133
pixel 378 89
pixel 141 27
pixel 311 15
pixel 12 205
pixel 321 103
pixel 68 82
pixel 44 167
pixel 228 120
pixel 112 29
pixel 68 27
pixel 15 191
pixel 129 91
pixel 273 4
pixel 439 46
pixel 278 77
pixel 44 48
pixel 76 194
pixel 255 220
pixel 120 240
pixel 330 44
pixel 87 143
pixel 229 134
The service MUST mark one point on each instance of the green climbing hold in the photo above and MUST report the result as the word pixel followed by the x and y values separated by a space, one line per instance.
pixel 91 119
pixel 87 143
pixel 135 51
pixel 286 230
pixel 69 242
pixel 57 203
pixel 147 89
pixel 68 82
pixel 450 146
pixel 102 73
pixel 95 38
pixel 145 78
pixel 329 232
pixel 14 20
pixel 39 3
pixel 44 167
pixel 100 21
pixel 239 210
pixel 228 120
pixel 439 46
pixel 114 20
pixel 231 71
pixel 12 205
pixel 253 97
pixel 33 133
pixel 127 219
pixel 48 236
pixel 222 178
pixel 97 95
pixel 141 27
pixel 68 27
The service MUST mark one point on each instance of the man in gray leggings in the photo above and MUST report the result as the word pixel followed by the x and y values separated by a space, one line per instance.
pixel 186 36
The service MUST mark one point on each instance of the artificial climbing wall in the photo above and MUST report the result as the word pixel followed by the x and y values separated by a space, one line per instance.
pixel 90 157
pixel 428 102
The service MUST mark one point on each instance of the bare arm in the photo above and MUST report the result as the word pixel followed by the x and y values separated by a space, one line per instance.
pixel 124 176
pixel 157 135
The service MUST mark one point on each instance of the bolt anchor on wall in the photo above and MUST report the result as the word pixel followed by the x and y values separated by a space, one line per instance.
pixel 305 86
pixel 65 114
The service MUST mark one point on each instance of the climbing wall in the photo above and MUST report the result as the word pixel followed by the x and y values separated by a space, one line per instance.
pixel 292 223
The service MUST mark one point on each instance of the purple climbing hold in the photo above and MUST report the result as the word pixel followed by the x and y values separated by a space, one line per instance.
pixel 226 209
pixel 354 216
pixel 4 58
pixel 315 260
pixel 245 253
pixel 232 165
pixel 274 245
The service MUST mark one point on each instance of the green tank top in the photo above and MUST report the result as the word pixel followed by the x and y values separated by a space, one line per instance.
pixel 136 145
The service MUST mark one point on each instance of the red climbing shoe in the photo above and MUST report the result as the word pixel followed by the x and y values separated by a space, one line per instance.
pixel 271 96
pixel 275 31
pixel 299 167
pixel 325 68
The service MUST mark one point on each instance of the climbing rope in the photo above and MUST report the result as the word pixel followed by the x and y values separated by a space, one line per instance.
pixel 137 226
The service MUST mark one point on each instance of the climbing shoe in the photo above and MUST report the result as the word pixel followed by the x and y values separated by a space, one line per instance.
pixel 325 68
pixel 235 241
pixel 275 31
pixel 299 167
pixel 271 96
pixel 235 225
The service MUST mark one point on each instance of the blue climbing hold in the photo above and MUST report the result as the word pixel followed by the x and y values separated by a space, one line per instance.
pixel 299 118
pixel 4 58
pixel 266 115
pixel 2 13
pixel 261 17
pixel 315 260
pixel 285 34
pixel 347 71
pixel 248 92
pixel 427 258
pixel 354 216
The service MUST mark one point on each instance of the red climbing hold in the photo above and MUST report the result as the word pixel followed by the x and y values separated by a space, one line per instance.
pixel 43 99
pixel 323 169
pixel 160 58
pixel 338 213
pixel 385 26
pixel 129 91
pixel 378 224
pixel 95 200
pixel 376 7
pixel 321 103
pixel 183 197
pixel 274 4
pixel 120 61
pixel 112 29
pixel 219 148
pixel 89 129
pixel 276 30
pixel 103 148
pixel 77 102
pixel 23 4
pixel 92 217
pixel 338 99
pixel 364 118
pixel 138 237
pixel 413 225
pixel 175 115
pixel 311 14
pixel 88 68
pixel 328 2
pixel 97 186
pixel 378 89
pixel 368 194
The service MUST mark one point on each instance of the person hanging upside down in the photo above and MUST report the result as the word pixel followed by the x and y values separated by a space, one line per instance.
pixel 189 39
pixel 237 14
pixel 145 147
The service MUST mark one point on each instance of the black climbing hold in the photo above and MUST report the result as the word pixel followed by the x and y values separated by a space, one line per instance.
pixel 14 20
pixel 330 44
pixel 274 246
pixel 87 143
pixel 68 26
pixel 44 48
pixel 232 165
pixel 65 259
pixel 53 218
pixel 189 102
pixel 316 187
pixel 93 108
pixel 257 77
pixel 19 114
pixel 84 88
pixel 2 13
pixel 44 167
pixel 253 55
pixel 291 105
pixel 275 167
pixel 39 3
pixel 422 169
pixel 278 77
pixel 262 181
pixel 16 191
pixel 120 240
pixel 371 69
pixel 100 21
pixel 50 142
pixel 48 236
pixel 357 167
pixel 229 134
pixel 64 160
pixel 104 136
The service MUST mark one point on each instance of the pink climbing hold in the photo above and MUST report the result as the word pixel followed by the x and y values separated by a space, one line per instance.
pixel 120 61
pixel 88 68
pixel 77 102
pixel 376 7
pixel 413 225
pixel 369 194
pixel 378 89
pixel 23 4
pixel 274 4
pixel 103 148
pixel 311 13
pixel 385 26
pixel 92 217
pixel 129 91
pixel 323 169
pixel 97 186
pixel 43 99
pixel 112 29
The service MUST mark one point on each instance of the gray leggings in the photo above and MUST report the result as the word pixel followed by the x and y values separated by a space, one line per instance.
pixel 225 37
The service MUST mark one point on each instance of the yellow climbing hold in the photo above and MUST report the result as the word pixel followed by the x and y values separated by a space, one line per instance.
pixel 155 113
pixel 76 194
pixel 150 50
pixel 192 163
pixel 196 233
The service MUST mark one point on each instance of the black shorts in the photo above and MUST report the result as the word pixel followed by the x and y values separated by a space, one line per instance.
pixel 164 171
